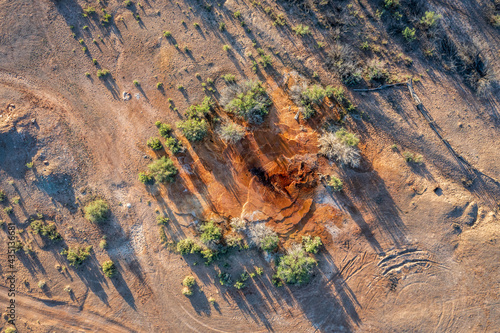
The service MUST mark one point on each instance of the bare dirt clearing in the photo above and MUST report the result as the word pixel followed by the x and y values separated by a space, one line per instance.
pixel 408 247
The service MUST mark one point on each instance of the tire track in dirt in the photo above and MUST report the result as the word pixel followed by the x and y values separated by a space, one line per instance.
pixel 64 316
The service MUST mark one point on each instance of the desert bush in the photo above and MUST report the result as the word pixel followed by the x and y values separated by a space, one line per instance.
pixel 301 30
pixel 335 183
pixel 162 219
pixel 96 211
pixel 163 170
pixel 430 19
pixel 248 101
pixel 238 224
pixel 296 266
pixel 413 158
pixel 187 291
pixel 222 26
pixel 42 284
pixel 210 232
pixel 173 145
pixel 234 241
pixel 77 255
pixel 50 230
pixel 263 236
pixel 3 196
pixel 333 148
pixel 154 143
pixel 188 246
pixel 164 129
pixel 189 281
pixel 209 255
pixel 347 138
pixel 376 72
pixel 391 3
pixel 145 178
pixel 68 289
pixel 311 244
pixel 193 129
pixel 103 244
pixel 409 34
pixel 229 78
pixel 8 210
pixel 343 59
pixel 101 73
pixel 109 268
pixel 231 132
pixel 10 330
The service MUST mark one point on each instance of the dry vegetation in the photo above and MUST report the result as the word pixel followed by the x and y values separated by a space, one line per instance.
pixel 288 165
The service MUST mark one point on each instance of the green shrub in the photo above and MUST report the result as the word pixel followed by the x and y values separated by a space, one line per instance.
pixel 103 244
pixel 231 132
pixel 167 34
pixel 189 281
pixel 248 101
pixel 101 73
pixel 50 230
pixel 295 267
pixel 237 14
pixel 222 26
pixel 3 196
pixel 97 211
pixel 8 210
pixel 109 268
pixel 159 85
pixel 239 285
pixel 10 330
pixel 188 246
pixel 335 183
pixel 173 145
pixel 347 138
pixel 41 284
pixel 269 242
pixel 202 109
pixel 409 34
pixel 161 219
pixel 77 255
pixel 301 30
pixel 413 158
pixel 208 255
pixel 193 129
pixel 187 291
pixel 154 143
pixel 210 232
pixel 226 47
pixel 136 83
pixel 391 3
pixel 145 178
pixel 163 170
pixel 164 129
pixel 430 19
pixel 230 78
pixel 312 244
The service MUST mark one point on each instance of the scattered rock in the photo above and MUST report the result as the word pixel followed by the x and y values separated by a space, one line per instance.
pixel 126 96
pixel 128 205
pixel 46 162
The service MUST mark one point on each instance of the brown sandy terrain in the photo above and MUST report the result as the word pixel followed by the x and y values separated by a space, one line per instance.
pixel 408 247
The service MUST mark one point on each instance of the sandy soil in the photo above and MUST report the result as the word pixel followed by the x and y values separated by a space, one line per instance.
pixel 408 248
